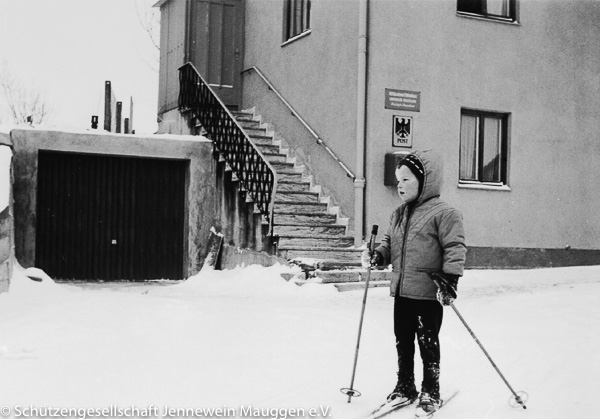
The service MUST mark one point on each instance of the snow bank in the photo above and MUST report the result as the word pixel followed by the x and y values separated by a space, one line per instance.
pixel 253 281
pixel 23 284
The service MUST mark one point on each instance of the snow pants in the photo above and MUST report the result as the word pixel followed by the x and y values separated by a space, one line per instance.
pixel 423 319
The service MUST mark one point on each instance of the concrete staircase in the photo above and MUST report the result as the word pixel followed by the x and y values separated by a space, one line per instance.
pixel 311 232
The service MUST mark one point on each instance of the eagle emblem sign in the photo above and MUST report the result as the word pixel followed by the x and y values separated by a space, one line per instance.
pixel 402 131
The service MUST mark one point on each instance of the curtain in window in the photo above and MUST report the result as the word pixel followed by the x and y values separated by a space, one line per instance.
pixel 306 18
pixel 492 135
pixel 498 7
pixel 469 128
pixel 297 17
pixel 289 19
pixel 298 21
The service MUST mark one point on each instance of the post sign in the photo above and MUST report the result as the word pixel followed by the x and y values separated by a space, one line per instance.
pixel 402 100
pixel 402 128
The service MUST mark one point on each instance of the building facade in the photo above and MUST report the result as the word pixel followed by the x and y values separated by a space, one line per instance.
pixel 507 91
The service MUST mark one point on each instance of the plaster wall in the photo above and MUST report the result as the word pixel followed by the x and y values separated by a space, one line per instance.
pixel 200 187
pixel 544 71
pixel 172 56
pixel 173 122
pixel 317 75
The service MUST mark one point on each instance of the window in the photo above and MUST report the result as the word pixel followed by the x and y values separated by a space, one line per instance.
pixel 491 9
pixel 296 19
pixel 483 147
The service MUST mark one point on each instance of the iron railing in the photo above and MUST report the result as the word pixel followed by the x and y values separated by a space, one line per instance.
pixel 312 132
pixel 229 139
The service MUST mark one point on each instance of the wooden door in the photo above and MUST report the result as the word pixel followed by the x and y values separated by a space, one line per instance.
pixel 110 218
pixel 215 45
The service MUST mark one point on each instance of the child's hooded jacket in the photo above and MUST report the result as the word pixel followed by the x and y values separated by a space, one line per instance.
pixel 425 235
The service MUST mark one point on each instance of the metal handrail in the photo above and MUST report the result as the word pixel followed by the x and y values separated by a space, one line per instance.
pixel 302 121
pixel 248 163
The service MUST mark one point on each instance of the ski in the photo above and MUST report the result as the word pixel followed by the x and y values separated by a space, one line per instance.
pixel 389 407
pixel 420 414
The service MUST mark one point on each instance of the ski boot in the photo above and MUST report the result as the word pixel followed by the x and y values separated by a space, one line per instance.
pixel 401 397
pixel 427 406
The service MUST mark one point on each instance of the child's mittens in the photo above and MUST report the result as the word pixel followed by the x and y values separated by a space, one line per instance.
pixel 446 293
pixel 367 260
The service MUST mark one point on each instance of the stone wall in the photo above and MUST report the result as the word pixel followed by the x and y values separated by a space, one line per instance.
pixel 6 213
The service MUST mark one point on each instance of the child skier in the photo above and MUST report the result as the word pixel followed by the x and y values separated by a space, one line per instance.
pixel 425 235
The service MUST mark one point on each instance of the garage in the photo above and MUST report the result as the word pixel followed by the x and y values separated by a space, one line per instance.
pixel 103 217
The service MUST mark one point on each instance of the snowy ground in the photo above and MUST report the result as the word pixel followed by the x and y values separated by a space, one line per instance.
pixel 245 338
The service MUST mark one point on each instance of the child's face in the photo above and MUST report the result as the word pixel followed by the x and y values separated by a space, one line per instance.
pixel 408 184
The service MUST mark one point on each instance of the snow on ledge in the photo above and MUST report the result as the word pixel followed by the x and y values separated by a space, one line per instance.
pixel 6 129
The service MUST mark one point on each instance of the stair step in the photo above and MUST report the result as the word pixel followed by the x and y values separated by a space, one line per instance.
pixel 315 241
pixel 260 137
pixel 300 207
pixel 287 186
pixel 268 148
pixel 298 218
pixel 261 140
pixel 349 254
pixel 253 128
pixel 355 275
pixel 283 166
pixel 276 158
pixel 272 158
pixel 243 114
pixel 336 265
pixel 309 229
pixel 297 197
pixel 353 286
pixel 288 176
pixel 248 123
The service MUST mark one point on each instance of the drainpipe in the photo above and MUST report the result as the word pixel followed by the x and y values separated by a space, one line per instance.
pixel 361 115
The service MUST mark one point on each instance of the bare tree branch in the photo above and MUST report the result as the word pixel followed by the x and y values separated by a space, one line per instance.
pixel 149 18
pixel 21 101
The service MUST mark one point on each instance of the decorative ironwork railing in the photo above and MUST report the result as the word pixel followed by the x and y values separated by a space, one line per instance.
pixel 247 162
pixel 312 132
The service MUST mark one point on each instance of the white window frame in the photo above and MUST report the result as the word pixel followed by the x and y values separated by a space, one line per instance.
pixel 495 10
pixel 475 149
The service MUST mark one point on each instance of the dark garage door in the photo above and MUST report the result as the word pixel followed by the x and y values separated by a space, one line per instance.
pixel 110 218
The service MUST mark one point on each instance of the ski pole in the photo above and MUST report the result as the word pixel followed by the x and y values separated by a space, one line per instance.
pixel 351 392
pixel 517 398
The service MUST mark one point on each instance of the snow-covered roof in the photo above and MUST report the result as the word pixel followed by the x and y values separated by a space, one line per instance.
pixel 6 129
pixel 5 135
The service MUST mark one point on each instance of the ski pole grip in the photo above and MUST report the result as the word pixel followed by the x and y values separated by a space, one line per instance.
pixel 372 241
